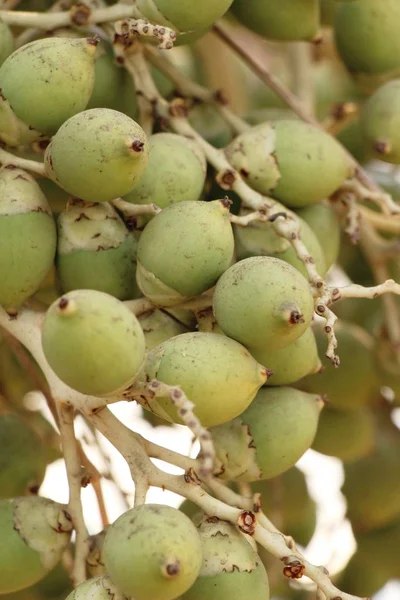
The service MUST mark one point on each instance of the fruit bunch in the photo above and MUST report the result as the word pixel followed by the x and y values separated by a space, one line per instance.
pixel 225 258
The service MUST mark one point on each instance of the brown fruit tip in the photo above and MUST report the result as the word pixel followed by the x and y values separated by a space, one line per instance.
pixel 171 569
pixel 137 146
pixel 296 317
pixel 383 147
pixel 66 307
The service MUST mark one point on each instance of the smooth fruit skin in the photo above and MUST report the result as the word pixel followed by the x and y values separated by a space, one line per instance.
pixel 158 327
pixel 96 251
pixel 291 363
pixel 366 36
pixel 34 533
pixel 186 15
pixel 47 81
pixel 97 588
pixel 6 41
pixel 108 80
pixel 195 237
pixel 231 568
pixel 27 237
pixel 323 221
pixel 263 302
pixel 153 552
pixel 22 458
pixel 269 437
pixel 97 155
pixel 217 374
pixel 347 435
pixel 181 171
pixel 355 383
pixel 380 122
pixel 93 342
pixel 286 500
pixel 286 20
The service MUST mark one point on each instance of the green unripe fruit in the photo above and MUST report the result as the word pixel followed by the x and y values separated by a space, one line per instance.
pixel 347 435
pixel 291 163
pixel 328 9
pixel 153 552
pixel 195 237
pixel 286 20
pixel 184 16
pixel 379 549
pixel 34 533
pixel 366 35
pixel 216 373
pixel 388 367
pixel 49 80
pixel 362 578
pixel 56 196
pixel 286 500
pixel 107 81
pixel 93 342
pixel 27 237
pixel 158 327
pixel 6 42
pixel 54 586
pixel 355 383
pixel 97 155
pixel 230 569
pixel 269 437
pixel 175 172
pixel 352 138
pixel 380 122
pixel 263 302
pixel 98 588
pixel 190 509
pixel 96 251
pixel 261 239
pixel 324 223
pixel 22 457
pixel 291 363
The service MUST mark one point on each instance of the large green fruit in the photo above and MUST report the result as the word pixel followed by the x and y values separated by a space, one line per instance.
pixel 184 16
pixel 27 237
pixel 263 302
pixel 98 588
pixel 6 42
pixel 218 375
pixel 93 342
pixel 291 363
pixel 34 532
pixel 286 500
pixel 261 239
pixel 367 39
pixel 355 382
pixel 347 435
pixel 180 166
pixel 323 221
pixel 49 80
pixel 158 327
pixel 22 457
pixel 97 155
pixel 380 122
pixel 285 20
pixel 231 568
pixel 196 238
pixel 153 552
pixel 96 251
pixel 269 437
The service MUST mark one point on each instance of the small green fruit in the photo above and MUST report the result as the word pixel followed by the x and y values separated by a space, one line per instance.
pixel 231 568
pixel 47 81
pixel 323 221
pixel 380 122
pixel 153 552
pixel 93 342
pixel 286 20
pixel 263 302
pixel 347 435
pixel 97 155
pixel 181 171
pixel 195 237
pixel 34 533
pixel 98 588
pixel 269 437
pixel 291 363
pixel 27 237
pixel 6 42
pixel 217 374
pixel 158 327
pixel 96 251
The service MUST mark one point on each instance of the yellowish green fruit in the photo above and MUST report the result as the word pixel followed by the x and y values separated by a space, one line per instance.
pixel 6 41
pixel 107 80
pixel 93 342
pixel 323 221
pixel 217 374
pixel 27 237
pixel 47 81
pixel 158 327
pixel 97 588
pixel 362 578
pixel 380 122
pixel 263 302
pixel 153 552
pixel 97 155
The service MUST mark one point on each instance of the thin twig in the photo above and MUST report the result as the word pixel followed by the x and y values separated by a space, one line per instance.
pixel 6 158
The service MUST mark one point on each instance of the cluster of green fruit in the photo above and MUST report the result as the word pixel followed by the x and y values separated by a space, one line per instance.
pixel 254 367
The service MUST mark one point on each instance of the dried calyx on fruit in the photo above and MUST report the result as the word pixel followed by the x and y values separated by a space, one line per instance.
pixel 97 588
